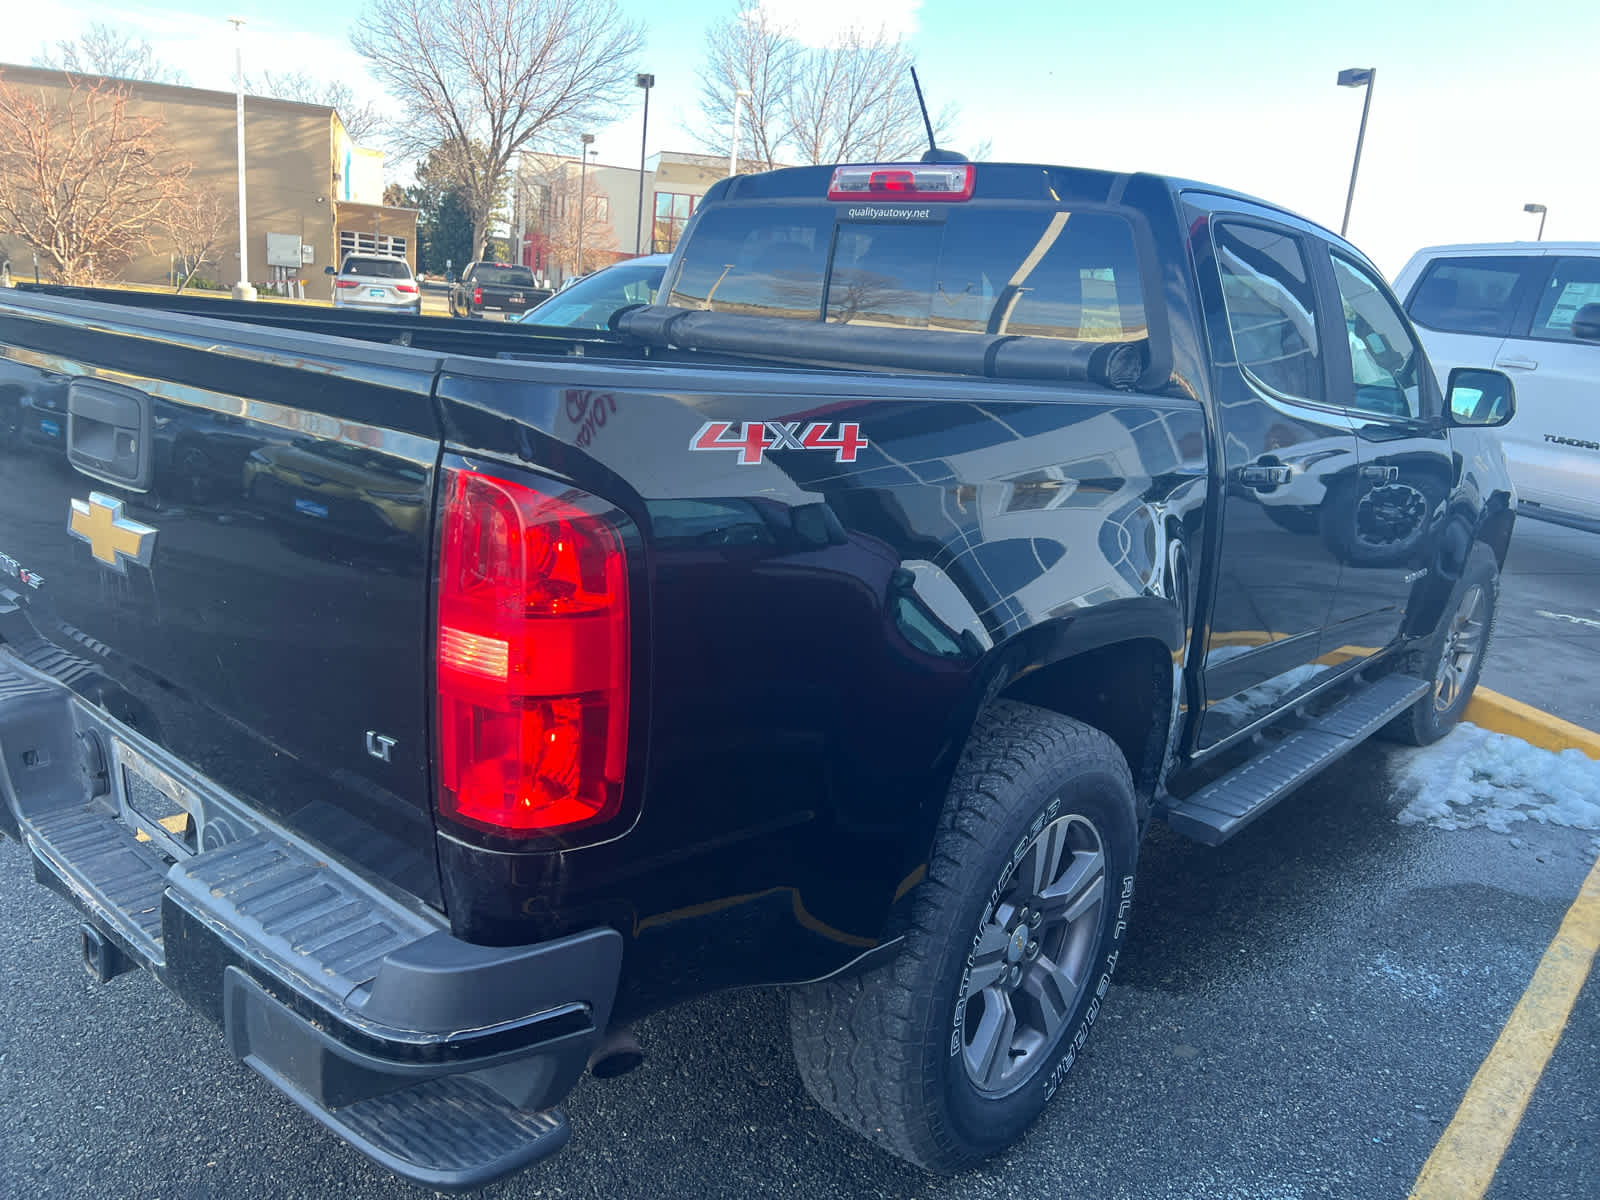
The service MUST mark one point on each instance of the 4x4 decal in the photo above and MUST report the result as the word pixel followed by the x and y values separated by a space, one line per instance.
pixel 755 438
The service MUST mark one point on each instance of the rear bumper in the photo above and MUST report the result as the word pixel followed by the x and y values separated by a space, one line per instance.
pixel 440 1059
pixel 407 309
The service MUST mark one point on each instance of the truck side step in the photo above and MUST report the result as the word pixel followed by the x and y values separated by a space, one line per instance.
pixel 1225 806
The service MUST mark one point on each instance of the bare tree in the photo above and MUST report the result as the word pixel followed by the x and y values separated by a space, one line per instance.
pixel 752 54
pixel 106 50
pixel 361 119
pixel 197 222
pixel 84 182
pixel 599 239
pixel 489 77
pixel 851 100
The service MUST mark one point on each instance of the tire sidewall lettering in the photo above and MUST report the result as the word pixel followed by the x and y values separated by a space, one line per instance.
pixel 1081 1034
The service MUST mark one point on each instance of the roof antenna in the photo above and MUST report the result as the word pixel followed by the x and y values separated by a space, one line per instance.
pixel 933 154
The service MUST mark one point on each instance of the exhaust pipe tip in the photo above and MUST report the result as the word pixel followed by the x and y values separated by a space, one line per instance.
pixel 618 1053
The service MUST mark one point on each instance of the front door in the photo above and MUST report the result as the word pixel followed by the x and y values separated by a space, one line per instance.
pixel 1553 443
pixel 1393 508
pixel 1285 448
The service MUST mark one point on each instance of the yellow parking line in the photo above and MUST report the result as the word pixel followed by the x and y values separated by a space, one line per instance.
pixel 1463 1164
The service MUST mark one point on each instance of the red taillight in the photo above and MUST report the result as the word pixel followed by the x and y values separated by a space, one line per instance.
pixel 907 181
pixel 408 288
pixel 345 283
pixel 477 295
pixel 532 658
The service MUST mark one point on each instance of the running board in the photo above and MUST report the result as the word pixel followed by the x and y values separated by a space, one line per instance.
pixel 1225 806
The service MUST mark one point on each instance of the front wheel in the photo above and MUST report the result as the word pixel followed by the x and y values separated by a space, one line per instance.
pixel 1452 659
pixel 946 1053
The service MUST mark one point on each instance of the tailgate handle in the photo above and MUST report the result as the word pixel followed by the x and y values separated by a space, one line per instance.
pixel 108 432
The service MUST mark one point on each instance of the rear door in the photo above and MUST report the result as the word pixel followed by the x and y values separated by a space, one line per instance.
pixel 1553 443
pixel 228 553
pixel 1464 305
pixel 1286 447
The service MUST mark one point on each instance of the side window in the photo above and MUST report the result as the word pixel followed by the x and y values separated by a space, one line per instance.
pixel 1575 282
pixel 1271 308
pixel 1475 294
pixel 1383 354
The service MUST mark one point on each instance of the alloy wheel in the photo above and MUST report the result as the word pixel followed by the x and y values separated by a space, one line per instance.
pixel 1033 955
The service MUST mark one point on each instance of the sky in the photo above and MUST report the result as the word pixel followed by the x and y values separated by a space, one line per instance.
pixel 1474 113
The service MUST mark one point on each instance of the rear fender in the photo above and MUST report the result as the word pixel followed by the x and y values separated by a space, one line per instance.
pixel 1022 667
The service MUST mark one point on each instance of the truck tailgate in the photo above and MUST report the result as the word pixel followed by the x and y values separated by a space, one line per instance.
pixel 218 535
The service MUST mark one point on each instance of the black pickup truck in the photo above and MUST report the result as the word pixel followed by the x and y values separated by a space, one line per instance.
pixel 427 703
pixel 486 287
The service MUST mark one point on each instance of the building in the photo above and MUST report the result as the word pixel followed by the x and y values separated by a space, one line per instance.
pixel 545 200
pixel 312 194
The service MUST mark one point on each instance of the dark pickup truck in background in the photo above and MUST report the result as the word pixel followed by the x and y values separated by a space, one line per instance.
pixel 495 288
pixel 427 703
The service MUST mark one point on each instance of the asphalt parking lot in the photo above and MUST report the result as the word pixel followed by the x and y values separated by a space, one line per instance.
pixel 1296 1014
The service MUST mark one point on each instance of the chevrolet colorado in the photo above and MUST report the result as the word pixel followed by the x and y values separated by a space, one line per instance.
pixel 426 703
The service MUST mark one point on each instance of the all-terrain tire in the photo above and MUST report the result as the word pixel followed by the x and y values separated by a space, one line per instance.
pixel 887 1051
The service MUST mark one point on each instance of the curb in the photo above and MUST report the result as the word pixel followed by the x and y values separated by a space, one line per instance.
pixel 1490 710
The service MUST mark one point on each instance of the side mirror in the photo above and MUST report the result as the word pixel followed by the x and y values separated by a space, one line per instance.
pixel 1481 399
pixel 1586 325
pixel 329 271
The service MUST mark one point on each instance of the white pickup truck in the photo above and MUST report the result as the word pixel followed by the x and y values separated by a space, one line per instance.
pixel 1531 309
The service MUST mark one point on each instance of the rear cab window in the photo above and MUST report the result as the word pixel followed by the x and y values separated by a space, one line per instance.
pixel 1069 274
pixel 1475 294
pixel 513 276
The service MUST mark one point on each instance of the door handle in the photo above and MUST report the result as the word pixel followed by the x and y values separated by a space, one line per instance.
pixel 1380 473
pixel 1264 477
pixel 1520 364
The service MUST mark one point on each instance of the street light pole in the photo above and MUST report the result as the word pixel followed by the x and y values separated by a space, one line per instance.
pixel 583 166
pixel 1543 212
pixel 733 150
pixel 646 82
pixel 241 290
pixel 1357 77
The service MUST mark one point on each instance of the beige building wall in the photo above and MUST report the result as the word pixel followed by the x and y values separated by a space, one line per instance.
pixel 289 174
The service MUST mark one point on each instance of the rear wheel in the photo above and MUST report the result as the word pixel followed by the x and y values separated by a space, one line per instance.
pixel 1452 659
pixel 949 1051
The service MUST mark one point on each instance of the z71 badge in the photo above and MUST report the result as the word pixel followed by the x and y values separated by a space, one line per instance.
pixel 755 438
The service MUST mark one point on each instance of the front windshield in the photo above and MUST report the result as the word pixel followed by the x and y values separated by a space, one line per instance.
pixel 589 303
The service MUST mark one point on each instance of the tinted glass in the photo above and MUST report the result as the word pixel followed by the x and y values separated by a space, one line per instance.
pixel 1472 295
pixel 376 268
pixel 1575 282
pixel 1383 354
pixel 1057 275
pixel 1271 308
pixel 510 275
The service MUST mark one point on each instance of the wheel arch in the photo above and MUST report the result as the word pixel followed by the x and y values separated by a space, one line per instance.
pixel 1114 667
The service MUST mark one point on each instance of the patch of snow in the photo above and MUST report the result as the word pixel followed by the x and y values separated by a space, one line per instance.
pixel 1477 777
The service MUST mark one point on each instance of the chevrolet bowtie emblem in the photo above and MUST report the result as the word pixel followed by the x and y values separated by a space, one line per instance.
pixel 112 537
